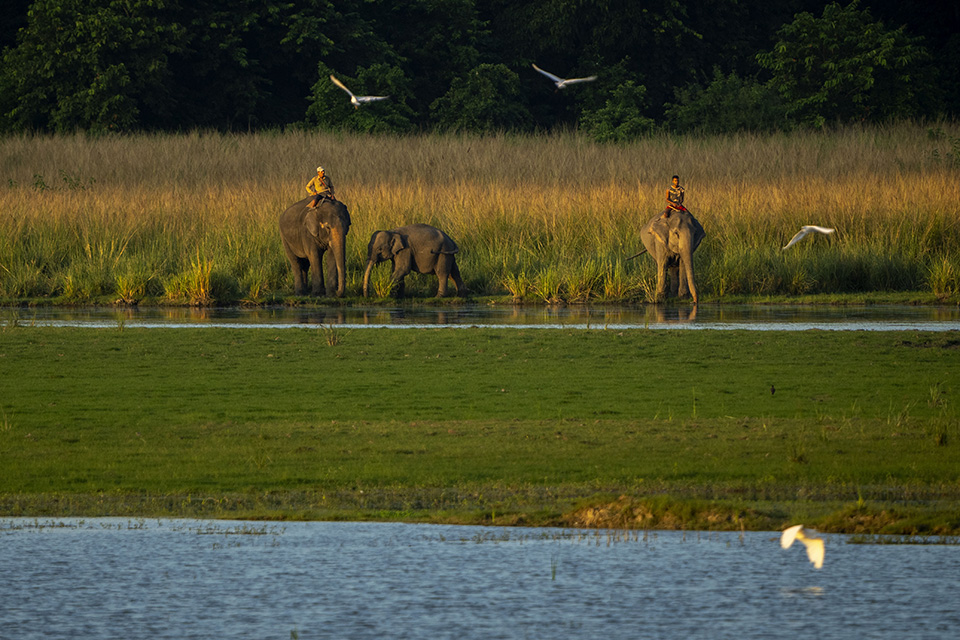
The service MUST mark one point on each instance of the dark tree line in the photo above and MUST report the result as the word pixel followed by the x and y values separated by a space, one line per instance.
pixel 726 65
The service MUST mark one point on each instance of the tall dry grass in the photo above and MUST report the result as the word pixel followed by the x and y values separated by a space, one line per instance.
pixel 193 218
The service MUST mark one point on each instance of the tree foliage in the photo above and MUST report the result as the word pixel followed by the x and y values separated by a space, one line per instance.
pixel 89 64
pixel 621 118
pixel 845 66
pixel 122 65
pixel 488 98
pixel 728 104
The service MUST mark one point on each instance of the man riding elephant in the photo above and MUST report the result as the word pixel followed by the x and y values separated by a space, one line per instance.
pixel 320 187
pixel 675 195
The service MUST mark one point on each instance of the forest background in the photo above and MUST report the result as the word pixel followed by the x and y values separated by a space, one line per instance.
pixel 465 65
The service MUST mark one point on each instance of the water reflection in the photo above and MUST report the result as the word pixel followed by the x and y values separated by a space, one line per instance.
pixel 117 578
pixel 717 317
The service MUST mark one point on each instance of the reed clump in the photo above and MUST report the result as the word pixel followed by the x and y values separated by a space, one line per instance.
pixel 192 218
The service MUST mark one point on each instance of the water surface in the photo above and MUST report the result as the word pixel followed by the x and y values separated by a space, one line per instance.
pixel 715 317
pixel 117 578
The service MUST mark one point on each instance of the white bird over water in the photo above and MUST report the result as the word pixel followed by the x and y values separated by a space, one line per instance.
pixel 813 544
pixel 356 101
pixel 563 82
pixel 805 231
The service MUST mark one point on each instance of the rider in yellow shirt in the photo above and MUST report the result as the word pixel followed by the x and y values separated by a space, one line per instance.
pixel 320 187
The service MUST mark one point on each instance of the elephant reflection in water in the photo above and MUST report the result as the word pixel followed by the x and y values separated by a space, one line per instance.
pixel 657 314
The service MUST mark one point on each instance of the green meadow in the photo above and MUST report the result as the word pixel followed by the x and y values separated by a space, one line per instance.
pixel 848 431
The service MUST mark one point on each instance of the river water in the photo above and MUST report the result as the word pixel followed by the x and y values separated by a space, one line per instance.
pixel 117 578
pixel 715 317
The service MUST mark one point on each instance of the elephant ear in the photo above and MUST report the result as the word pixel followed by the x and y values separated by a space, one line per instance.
pixel 312 222
pixel 660 231
pixel 398 244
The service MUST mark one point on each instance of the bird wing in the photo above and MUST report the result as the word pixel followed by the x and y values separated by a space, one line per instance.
pixel 371 98
pixel 814 550
pixel 574 80
pixel 797 238
pixel 547 73
pixel 341 85
pixel 813 227
pixel 789 535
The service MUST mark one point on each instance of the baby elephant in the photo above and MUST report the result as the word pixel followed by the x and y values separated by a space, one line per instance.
pixel 419 248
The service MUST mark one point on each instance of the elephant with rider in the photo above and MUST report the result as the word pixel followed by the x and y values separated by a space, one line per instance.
pixel 671 239
pixel 312 236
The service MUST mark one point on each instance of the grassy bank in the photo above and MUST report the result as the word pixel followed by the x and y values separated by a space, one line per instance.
pixel 192 219
pixel 849 431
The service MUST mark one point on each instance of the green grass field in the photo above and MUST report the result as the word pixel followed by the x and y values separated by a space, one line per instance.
pixel 630 428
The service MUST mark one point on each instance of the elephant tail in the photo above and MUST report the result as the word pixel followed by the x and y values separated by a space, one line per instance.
pixel 637 255
pixel 446 253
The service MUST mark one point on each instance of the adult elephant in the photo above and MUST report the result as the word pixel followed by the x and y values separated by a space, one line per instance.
pixel 307 234
pixel 671 238
pixel 419 248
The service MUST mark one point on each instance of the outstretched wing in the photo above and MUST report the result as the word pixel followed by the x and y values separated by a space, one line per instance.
pixel 547 73
pixel 814 551
pixel 789 535
pixel 824 230
pixel 371 98
pixel 575 80
pixel 797 238
pixel 341 85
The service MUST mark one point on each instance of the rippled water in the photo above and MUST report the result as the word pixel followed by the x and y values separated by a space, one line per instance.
pixel 717 317
pixel 114 578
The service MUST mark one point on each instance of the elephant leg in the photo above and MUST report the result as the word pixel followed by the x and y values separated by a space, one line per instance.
pixel 457 280
pixel 401 267
pixel 397 289
pixel 330 266
pixel 442 284
pixel 301 275
pixel 684 288
pixel 661 278
pixel 316 266
pixel 674 279
pixel 442 270
pixel 298 267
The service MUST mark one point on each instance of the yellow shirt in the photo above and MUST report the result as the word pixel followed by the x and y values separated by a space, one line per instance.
pixel 320 185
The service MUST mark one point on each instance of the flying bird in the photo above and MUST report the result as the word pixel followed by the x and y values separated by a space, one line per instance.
pixel 563 82
pixel 356 101
pixel 805 231
pixel 813 544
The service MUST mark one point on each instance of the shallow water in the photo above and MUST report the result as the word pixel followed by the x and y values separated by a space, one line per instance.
pixel 715 317
pixel 117 578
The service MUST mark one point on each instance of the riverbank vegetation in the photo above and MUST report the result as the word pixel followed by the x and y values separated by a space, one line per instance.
pixel 854 432
pixel 192 219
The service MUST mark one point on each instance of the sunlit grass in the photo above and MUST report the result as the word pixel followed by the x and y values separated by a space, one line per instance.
pixel 538 218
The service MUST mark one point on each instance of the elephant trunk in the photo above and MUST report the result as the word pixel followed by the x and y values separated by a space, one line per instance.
pixel 687 266
pixel 339 255
pixel 366 276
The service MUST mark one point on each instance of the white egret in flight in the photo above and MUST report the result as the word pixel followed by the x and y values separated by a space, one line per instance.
pixel 813 544
pixel 356 101
pixel 563 82
pixel 805 231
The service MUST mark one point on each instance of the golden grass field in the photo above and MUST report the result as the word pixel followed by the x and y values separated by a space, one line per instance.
pixel 192 218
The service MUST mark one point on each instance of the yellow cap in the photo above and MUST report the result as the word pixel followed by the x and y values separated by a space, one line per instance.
pixel 319 169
